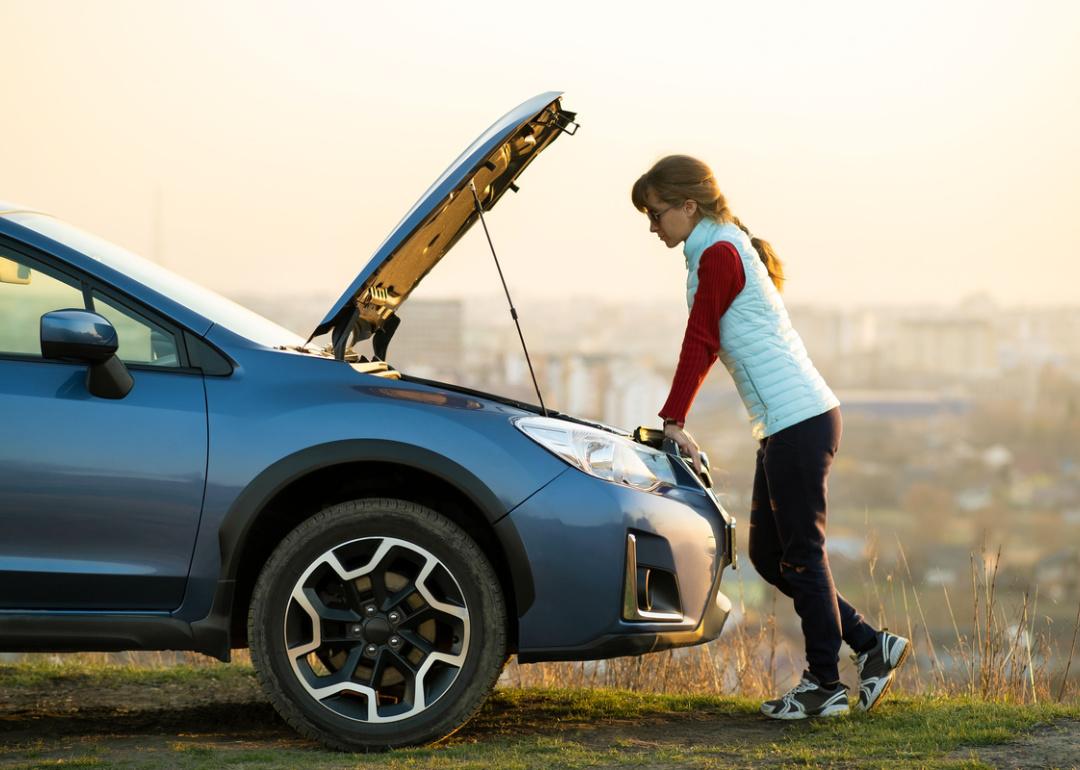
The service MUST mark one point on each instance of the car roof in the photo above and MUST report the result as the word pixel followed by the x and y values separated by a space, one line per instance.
pixel 9 208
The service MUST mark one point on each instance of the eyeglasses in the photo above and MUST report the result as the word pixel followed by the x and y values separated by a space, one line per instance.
pixel 654 216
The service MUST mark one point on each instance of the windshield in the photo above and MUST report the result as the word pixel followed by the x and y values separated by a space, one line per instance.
pixel 191 295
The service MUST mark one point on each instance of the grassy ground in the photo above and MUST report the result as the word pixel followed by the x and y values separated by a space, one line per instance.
pixel 200 717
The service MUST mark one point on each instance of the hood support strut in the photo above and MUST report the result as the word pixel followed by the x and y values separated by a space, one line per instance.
pixel 513 312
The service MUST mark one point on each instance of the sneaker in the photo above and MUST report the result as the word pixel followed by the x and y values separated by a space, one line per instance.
pixel 877 666
pixel 808 699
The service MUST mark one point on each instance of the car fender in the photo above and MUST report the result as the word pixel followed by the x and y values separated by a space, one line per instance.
pixel 244 512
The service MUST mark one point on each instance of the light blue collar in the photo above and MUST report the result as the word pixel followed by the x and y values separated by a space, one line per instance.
pixel 699 238
pixel 707 232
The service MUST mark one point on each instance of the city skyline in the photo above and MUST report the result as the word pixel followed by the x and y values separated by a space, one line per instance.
pixel 888 156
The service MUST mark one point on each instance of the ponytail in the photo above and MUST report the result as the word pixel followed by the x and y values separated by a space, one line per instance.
pixel 773 265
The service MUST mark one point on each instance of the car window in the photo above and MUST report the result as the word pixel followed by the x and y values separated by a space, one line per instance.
pixel 26 294
pixel 141 340
pixel 201 300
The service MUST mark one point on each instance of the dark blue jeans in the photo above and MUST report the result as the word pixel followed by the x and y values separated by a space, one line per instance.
pixel 787 537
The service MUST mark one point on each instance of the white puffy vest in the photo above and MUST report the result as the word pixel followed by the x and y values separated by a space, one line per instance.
pixel 766 357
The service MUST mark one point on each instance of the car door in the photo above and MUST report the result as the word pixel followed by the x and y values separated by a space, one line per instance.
pixel 99 499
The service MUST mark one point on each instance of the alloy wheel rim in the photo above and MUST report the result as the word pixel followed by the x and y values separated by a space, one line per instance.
pixel 377 629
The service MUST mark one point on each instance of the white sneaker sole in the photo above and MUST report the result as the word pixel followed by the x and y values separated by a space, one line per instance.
pixel 837 709
pixel 881 686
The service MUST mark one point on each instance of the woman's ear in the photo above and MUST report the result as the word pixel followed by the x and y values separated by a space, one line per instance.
pixel 690 208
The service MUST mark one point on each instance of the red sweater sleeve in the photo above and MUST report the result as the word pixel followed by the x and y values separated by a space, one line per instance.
pixel 720 279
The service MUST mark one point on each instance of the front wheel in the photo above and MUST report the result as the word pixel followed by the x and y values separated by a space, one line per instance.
pixel 377 623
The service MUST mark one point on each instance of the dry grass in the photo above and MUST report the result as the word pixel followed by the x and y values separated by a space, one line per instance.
pixel 995 654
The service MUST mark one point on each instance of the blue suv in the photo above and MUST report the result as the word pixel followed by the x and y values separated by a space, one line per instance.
pixel 179 473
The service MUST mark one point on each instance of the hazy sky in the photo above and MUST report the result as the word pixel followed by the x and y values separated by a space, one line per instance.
pixel 891 152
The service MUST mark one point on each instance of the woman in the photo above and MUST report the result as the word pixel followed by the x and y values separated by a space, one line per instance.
pixel 736 314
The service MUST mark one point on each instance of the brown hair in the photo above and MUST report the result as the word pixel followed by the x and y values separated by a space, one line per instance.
pixel 679 178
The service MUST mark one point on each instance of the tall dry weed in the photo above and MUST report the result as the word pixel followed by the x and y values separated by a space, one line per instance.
pixel 997 653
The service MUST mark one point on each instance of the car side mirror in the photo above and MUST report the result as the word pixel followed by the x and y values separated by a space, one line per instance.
pixel 84 337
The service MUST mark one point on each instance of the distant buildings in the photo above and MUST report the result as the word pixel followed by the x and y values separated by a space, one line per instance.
pixel 902 404
pixel 613 361
pixel 949 347
pixel 832 334
pixel 869 348
pixel 619 390
pixel 430 342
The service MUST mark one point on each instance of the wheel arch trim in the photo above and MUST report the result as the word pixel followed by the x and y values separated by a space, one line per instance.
pixel 242 516
pixel 245 510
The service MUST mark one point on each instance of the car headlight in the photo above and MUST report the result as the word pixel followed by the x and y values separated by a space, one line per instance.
pixel 601 454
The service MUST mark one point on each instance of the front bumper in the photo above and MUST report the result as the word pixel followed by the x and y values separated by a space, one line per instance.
pixel 575 533
pixel 632 641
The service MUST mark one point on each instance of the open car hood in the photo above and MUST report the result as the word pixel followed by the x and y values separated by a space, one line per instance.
pixel 442 215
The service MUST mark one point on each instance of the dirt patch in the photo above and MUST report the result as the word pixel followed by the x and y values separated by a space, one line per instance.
pixel 209 723
pixel 731 740
pixel 682 730
pixel 1054 745
pixel 143 722
pixel 74 693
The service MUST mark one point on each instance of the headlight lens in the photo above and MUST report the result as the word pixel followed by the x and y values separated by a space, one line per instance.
pixel 601 454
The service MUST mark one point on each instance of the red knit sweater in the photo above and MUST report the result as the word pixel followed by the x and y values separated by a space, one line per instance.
pixel 720 279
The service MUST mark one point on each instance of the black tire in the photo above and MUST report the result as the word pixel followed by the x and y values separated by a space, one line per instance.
pixel 475 637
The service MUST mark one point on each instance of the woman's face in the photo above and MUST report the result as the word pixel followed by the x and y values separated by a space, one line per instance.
pixel 672 224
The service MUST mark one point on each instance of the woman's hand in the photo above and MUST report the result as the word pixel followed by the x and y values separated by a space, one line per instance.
pixel 686 443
